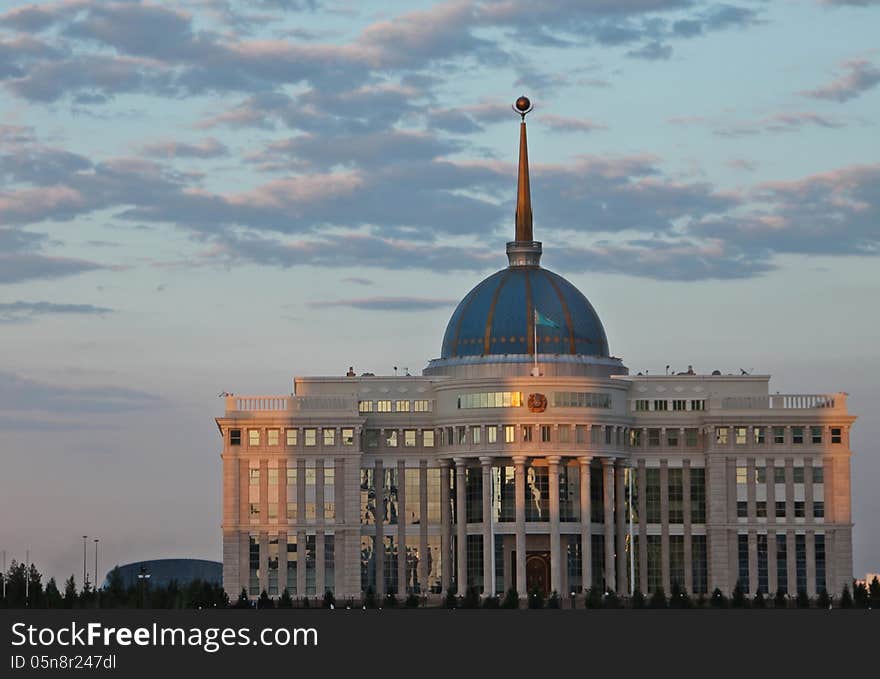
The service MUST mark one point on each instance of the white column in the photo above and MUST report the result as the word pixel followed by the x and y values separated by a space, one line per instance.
pixel 488 537
pixel 586 546
pixel 519 462
pixel 620 501
pixel 608 487
pixel 446 531
pixel 555 551
pixel 461 524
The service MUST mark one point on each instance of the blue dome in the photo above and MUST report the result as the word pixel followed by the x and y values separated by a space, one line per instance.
pixel 496 317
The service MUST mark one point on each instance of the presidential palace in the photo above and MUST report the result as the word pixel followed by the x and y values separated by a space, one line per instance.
pixel 527 457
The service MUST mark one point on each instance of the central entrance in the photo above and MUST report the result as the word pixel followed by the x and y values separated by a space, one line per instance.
pixel 538 572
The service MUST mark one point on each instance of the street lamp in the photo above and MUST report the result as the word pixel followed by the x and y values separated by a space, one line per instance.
pixel 96 564
pixel 144 578
pixel 85 537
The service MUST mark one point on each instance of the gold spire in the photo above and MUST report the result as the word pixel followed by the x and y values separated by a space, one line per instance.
pixel 523 194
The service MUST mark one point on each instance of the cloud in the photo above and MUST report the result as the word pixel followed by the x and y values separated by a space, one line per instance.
pixel 357 280
pixel 858 76
pixel 21 258
pixel 652 51
pixel 207 148
pixel 19 394
pixel 780 122
pixel 565 124
pixel 22 312
pixel 407 304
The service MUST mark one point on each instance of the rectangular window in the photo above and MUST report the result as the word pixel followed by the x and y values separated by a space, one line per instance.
pixel 580 433
pixel 800 561
pixel 818 509
pixel 329 437
pixel 365 406
pixel 383 406
pixel 409 438
pixel 698 404
pixel 799 510
pixel 291 511
pixel 690 437
pixel 291 478
pixel 579 399
pixel 273 476
pixel 721 436
pixel 661 404
pixel 653 437
pixel 655 557
pixel 780 509
pixel 545 433
pixel 291 563
pixel 476 435
pixel 450 436
pixel 642 405
pixel 391 438
pixel 422 406
pixel 743 553
pixel 272 437
pixel 798 474
pixel 698 495
pixel 509 433
pixel 493 399
pixel 368 496
pixel 492 433
pixel 635 438
pixel 759 435
pixel 253 437
pixel 815 434
pixel 676 498
pixel 462 435
pixel 527 433
pixel 760 474
pixel 254 476
pixel 781 563
pixel 428 438
pixel 348 437
pixel 679 404
pixel 820 562
pixel 291 437
pixel 741 434
pixel 401 406
pixel 672 438
pixel 564 433
pixel 778 434
pixel 676 560
pixel 235 437
pixel 596 434
pixel 699 564
pixel 836 435
pixel 762 562
pixel 797 434
pixel 742 509
pixel 254 565
pixel 778 474
pixel 818 475
pixel 742 476
pixel 652 495
pixel 310 436
pixel 761 509
pixel 254 510
pixel 371 437
pixel 311 554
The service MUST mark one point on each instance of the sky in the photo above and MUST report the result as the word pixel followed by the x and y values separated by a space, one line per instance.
pixel 218 195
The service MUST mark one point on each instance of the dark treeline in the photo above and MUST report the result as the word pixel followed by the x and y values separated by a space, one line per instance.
pixel 24 588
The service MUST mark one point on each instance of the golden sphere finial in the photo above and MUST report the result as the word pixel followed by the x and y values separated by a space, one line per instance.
pixel 522 106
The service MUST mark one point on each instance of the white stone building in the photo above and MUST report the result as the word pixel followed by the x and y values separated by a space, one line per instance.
pixel 496 470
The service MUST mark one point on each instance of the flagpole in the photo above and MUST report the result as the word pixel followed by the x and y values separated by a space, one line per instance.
pixel 535 328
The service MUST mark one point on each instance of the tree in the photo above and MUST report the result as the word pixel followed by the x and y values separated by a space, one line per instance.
pixel 244 601
pixel 860 594
pixel 759 600
pixel 285 601
pixel 611 600
pixel 471 598
pixel 553 601
pixel 780 600
pixel 874 592
pixel 491 602
pixel 511 599
pixel 823 600
pixel 451 601
pixel 329 599
pixel 739 600
pixel 53 596
pixel 846 600
pixel 35 588
pixel 638 599
pixel 370 598
pixel 412 600
pixel 678 597
pixel 593 599
pixel 536 599
pixel 70 592
pixel 391 600
pixel 15 585
pixel 802 600
pixel 115 594
pixel 658 598
pixel 718 599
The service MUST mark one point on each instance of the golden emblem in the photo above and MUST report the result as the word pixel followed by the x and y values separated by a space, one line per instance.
pixel 537 403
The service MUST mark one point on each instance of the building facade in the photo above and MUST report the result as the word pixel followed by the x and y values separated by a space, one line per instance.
pixel 527 457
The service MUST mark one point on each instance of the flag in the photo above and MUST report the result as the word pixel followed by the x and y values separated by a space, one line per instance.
pixel 541 319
